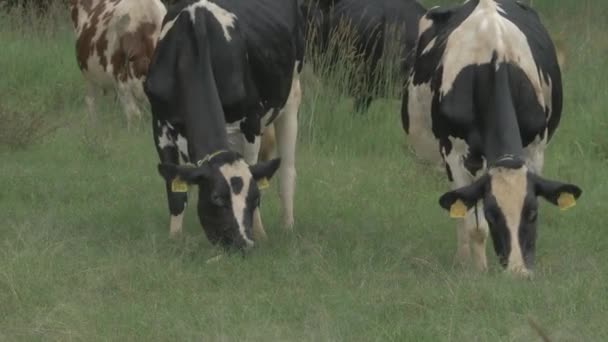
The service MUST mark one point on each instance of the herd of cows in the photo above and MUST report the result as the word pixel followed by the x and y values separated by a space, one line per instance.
pixel 482 95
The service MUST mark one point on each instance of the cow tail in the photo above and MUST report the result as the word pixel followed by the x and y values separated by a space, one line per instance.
pixel 299 37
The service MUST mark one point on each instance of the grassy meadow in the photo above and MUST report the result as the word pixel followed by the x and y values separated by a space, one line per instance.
pixel 85 253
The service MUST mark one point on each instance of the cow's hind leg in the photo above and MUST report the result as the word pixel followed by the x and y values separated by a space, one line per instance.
pixel 129 104
pixel 177 196
pixel 286 130
pixel 92 94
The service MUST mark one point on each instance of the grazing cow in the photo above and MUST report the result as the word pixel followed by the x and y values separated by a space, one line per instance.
pixel 115 40
pixel 222 70
pixel 374 25
pixel 486 92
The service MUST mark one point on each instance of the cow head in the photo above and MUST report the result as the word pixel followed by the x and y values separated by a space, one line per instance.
pixel 509 193
pixel 228 194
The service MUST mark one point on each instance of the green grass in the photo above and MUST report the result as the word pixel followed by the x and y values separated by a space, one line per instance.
pixel 85 253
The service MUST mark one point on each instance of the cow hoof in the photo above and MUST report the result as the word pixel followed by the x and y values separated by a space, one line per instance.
pixel 259 235
pixel 462 258
pixel 287 225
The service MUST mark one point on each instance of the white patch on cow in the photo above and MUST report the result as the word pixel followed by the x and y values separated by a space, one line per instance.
pixel 175 226
pixel 483 33
pixel 420 137
pixel 164 140
pixel 225 18
pixel 547 89
pixel 509 187
pixel 239 169
pixel 236 139
pixel 167 26
pixel 424 24
pixel 182 146
pixel 429 46
pixel 535 153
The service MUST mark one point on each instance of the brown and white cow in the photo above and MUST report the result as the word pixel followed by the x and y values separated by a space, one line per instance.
pixel 115 40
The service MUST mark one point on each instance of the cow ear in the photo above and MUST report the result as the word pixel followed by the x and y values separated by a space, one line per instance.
pixel 459 201
pixel 188 174
pixel 563 195
pixel 263 171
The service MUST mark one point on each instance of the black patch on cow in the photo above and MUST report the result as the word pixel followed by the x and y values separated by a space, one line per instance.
pixel 473 163
pixel 448 171
pixel 237 185
pixel 527 230
pixel 501 237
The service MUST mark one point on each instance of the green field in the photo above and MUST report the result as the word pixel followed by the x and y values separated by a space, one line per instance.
pixel 85 253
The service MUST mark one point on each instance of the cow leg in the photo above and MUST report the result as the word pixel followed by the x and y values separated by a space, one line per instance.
pixel 129 104
pixel 250 153
pixel 286 130
pixel 90 99
pixel 474 227
pixel 459 177
pixel 478 231
pixel 168 152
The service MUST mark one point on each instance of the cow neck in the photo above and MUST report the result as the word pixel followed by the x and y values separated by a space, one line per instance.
pixel 202 111
pixel 206 135
pixel 500 129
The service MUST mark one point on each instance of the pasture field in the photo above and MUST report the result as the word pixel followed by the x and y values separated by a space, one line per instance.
pixel 85 253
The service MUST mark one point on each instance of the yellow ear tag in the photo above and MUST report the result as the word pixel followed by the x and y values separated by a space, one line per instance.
pixel 178 185
pixel 458 209
pixel 263 183
pixel 566 201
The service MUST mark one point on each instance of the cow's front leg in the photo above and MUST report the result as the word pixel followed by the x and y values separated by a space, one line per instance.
pixel 177 191
pixel 177 206
pixel 477 229
pixel 286 127
pixel 472 231
pixel 463 247
pixel 473 228
pixel 250 153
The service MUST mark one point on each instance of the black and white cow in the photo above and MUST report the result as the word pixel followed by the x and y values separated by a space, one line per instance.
pixel 374 24
pixel 486 94
pixel 222 70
